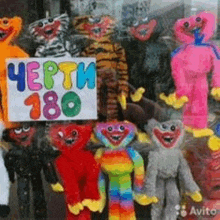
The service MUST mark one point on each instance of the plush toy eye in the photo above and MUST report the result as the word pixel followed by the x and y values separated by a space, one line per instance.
pixel 110 129
pixel 95 20
pixel 172 128
pixel 50 20
pixel 186 24
pixel 164 127
pixel 145 19
pixel 40 24
pixel 74 133
pixel 26 128
pixel 198 19
pixel 122 128
pixel 60 133
pixel 135 24
pixel 18 130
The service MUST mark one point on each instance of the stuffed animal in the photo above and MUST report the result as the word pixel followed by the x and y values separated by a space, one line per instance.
pixel 148 54
pixel 9 30
pixel 52 35
pixel 119 161
pixel 27 158
pixel 190 65
pixel 4 182
pixel 112 71
pixel 165 164
pixel 77 167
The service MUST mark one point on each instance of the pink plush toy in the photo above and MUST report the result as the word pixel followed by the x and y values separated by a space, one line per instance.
pixel 190 65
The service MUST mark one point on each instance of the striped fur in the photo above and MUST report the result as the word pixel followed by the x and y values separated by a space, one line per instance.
pixel 51 34
pixel 112 68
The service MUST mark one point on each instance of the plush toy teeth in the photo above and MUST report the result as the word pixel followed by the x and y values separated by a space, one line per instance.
pixel 48 32
pixel 2 34
pixel 69 141
pixel 168 139
pixel 96 30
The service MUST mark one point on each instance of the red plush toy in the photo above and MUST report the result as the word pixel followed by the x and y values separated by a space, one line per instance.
pixel 78 169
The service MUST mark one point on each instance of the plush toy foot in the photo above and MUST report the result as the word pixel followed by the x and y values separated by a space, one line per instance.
pixel 214 143
pixel 93 205
pixel 145 200
pixel 75 209
pixel 215 92
pixel 196 196
pixel 94 139
pixel 137 96
pixel 143 137
pixel 57 187
pixel 172 100
pixel 4 211
pixel 122 101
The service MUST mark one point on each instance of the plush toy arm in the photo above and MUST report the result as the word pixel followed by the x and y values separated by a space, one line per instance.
pixel 50 173
pixel 216 68
pixel 9 164
pixel 18 52
pixel 179 77
pixel 70 182
pixel 186 177
pixel 151 177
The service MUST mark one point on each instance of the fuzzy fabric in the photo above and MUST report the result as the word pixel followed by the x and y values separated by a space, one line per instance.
pixel 77 166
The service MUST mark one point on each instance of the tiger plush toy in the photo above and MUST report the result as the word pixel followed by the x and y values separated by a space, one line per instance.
pixel 51 35
pixel 112 71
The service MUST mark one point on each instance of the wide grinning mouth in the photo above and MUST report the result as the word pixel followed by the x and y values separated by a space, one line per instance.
pixel 143 32
pixel 168 139
pixel 116 137
pixel 69 141
pixel 49 32
pixel 5 33
pixel 196 30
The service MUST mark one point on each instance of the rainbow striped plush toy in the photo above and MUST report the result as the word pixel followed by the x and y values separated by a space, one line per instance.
pixel 119 161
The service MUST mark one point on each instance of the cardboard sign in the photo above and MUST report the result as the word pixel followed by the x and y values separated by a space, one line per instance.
pixel 52 89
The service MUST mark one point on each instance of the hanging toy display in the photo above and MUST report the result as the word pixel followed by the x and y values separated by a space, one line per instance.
pixel 111 63
pixel 26 159
pixel 190 65
pixel 148 54
pixel 119 161
pixel 52 35
pixel 4 182
pixel 165 164
pixel 78 169
pixel 10 29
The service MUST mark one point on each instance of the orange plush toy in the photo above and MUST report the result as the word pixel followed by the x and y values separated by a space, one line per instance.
pixel 9 30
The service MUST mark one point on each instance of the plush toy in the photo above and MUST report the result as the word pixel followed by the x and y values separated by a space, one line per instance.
pixel 52 35
pixel 4 182
pixel 77 167
pixel 9 30
pixel 110 59
pixel 27 158
pixel 190 65
pixel 165 164
pixel 148 54
pixel 119 161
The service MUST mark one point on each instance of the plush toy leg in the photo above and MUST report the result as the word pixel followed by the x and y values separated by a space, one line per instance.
pixel 85 214
pixel 172 199
pixel 23 192
pixel 157 208
pixel 40 207
pixel 126 199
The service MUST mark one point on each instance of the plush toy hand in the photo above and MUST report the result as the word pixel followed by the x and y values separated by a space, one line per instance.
pixel 122 101
pixel 57 187
pixel 98 154
pixel 143 137
pixel 94 139
pixel 94 205
pixel 137 96
pixel 196 196
pixel 4 211
pixel 215 92
pixel 173 100
pixel 214 143
pixel 145 199
pixel 75 209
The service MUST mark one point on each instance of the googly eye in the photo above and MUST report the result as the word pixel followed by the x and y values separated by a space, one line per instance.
pixel 186 24
pixel 40 24
pixel 74 133
pixel 122 128
pixel 5 21
pixel 198 19
pixel 135 24
pixel 164 126
pixel 145 19
pixel 26 128
pixel 60 133
pixel 110 129
pixel 91 20
pixel 50 20
pixel 172 128
pixel 18 130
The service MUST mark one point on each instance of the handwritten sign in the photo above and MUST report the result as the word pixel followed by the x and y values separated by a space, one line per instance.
pixel 52 89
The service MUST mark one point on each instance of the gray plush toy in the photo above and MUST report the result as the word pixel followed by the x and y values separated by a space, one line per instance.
pixel 166 164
